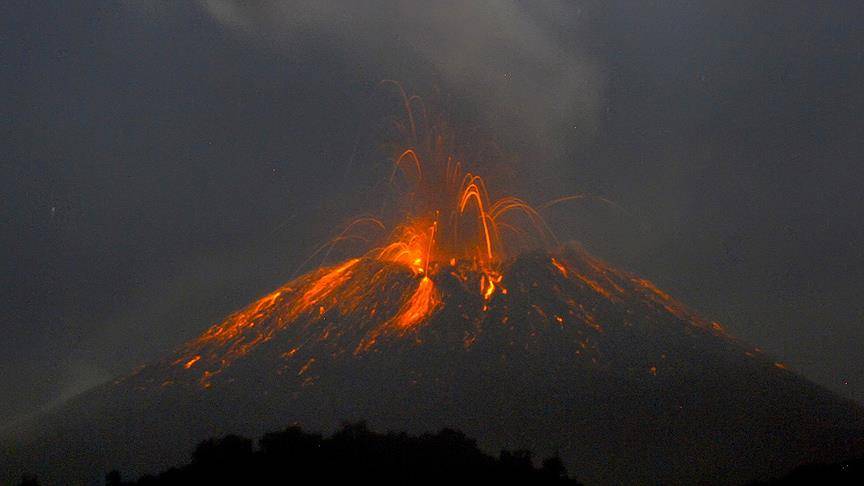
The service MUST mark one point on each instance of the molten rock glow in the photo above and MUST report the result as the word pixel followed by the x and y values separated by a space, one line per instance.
pixel 452 245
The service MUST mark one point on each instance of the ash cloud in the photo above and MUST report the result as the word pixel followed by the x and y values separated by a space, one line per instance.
pixel 508 58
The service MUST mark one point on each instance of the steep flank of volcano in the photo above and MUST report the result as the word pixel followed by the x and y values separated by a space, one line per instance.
pixel 554 352
pixel 365 305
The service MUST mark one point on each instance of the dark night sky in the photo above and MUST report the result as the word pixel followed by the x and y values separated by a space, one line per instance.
pixel 166 162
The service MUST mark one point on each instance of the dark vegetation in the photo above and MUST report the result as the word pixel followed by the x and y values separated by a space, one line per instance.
pixel 844 473
pixel 356 453
pixel 353 454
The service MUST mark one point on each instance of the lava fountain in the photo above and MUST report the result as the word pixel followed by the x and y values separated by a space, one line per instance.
pixel 446 221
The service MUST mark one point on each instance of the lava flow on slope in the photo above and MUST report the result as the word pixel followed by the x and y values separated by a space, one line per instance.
pixel 350 307
pixel 446 225
pixel 449 236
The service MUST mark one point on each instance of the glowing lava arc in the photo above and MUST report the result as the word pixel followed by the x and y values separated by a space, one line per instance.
pixel 445 217
pixel 446 213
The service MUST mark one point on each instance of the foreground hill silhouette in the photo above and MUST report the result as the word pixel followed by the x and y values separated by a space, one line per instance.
pixel 565 355
pixel 352 454
pixel 846 473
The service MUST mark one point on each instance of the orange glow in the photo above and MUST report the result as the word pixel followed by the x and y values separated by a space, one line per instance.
pixel 421 304
pixel 192 362
pixel 398 164
pixel 488 281
pixel 306 366
pixel 561 268
pixel 474 189
pixel 445 218
pixel 594 285
pixel 653 288
pixel 446 213
pixel 325 285
pixel 412 246
pixel 490 287
pixel 231 339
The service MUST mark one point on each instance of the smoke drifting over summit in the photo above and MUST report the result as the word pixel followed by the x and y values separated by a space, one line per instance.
pixel 516 60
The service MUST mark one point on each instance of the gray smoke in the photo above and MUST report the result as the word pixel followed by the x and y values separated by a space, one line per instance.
pixel 494 53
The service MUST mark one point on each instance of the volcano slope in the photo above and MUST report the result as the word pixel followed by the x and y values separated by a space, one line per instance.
pixel 565 354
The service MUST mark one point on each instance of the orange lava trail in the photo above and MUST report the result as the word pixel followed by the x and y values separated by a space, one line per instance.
pixel 433 226
pixel 419 306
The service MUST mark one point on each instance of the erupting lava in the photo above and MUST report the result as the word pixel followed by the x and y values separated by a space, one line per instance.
pixel 447 226
pixel 446 223
pixel 448 216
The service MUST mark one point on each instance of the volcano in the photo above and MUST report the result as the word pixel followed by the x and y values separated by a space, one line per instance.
pixel 469 314
pixel 558 353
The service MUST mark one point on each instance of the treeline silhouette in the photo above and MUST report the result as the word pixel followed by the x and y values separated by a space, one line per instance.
pixel 354 453
pixel 849 473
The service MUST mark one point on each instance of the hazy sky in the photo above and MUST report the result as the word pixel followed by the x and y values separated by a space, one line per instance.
pixel 166 162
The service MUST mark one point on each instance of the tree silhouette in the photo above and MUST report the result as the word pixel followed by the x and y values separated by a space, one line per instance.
pixel 554 467
pixel 353 453
pixel 113 478
pixel 28 480
pixel 849 473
